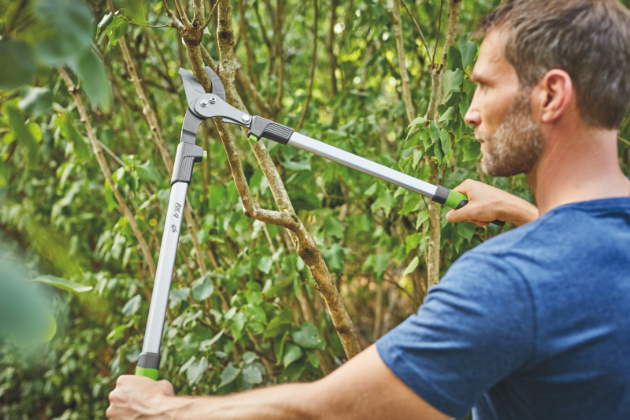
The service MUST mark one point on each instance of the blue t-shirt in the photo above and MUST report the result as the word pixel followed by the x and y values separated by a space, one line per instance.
pixel 532 324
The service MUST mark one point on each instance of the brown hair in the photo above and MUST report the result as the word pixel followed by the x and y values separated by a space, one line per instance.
pixel 589 39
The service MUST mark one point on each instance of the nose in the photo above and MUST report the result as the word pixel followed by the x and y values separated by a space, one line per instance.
pixel 472 117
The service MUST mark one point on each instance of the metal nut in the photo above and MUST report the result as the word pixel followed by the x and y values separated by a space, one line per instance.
pixel 213 99
pixel 245 118
pixel 203 103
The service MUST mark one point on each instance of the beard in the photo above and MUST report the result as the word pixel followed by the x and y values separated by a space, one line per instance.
pixel 515 146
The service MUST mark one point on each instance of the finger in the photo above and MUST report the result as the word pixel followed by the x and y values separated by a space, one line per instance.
pixel 480 223
pixel 464 187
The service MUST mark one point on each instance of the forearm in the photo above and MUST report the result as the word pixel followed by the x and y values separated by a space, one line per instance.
pixel 289 401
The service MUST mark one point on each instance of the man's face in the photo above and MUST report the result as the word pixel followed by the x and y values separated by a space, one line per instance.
pixel 511 142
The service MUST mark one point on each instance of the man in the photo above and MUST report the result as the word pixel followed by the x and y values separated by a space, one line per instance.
pixel 534 323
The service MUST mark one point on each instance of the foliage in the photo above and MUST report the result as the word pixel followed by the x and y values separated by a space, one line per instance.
pixel 256 319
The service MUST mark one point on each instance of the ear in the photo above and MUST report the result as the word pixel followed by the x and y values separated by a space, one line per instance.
pixel 556 94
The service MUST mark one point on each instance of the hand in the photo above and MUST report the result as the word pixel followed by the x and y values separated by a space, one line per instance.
pixel 137 397
pixel 487 203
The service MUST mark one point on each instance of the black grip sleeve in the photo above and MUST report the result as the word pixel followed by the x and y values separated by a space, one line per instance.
pixel 262 127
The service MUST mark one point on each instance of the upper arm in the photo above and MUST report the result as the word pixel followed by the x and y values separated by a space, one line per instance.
pixel 365 388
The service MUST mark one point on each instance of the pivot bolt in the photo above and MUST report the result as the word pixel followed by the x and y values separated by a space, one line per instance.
pixel 213 99
pixel 245 118
pixel 203 103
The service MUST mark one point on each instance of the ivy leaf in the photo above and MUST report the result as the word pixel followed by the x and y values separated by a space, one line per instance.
pixel 264 264
pixel 202 288
pixel 291 354
pixel 195 371
pixel 229 374
pixel 249 356
pixel 308 337
pixel 132 306
pixel 19 65
pixel 252 375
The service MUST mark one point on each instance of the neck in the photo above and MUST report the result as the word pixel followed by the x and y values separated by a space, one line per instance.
pixel 578 166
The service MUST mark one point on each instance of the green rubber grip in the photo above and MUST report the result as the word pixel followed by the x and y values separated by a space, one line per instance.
pixel 454 199
pixel 147 372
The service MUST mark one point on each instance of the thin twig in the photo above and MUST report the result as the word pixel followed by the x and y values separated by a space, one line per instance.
pixel 437 34
pixel 424 41
pixel 621 139
pixel 205 25
pixel 131 22
pixel 313 65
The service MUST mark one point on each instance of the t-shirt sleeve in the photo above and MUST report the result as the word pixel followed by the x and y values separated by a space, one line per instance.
pixel 474 328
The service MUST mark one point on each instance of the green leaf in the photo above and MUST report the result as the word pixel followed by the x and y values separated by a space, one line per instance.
pixel 291 354
pixel 93 78
pixel 22 133
pixel 472 150
pixel 334 257
pixel 69 131
pixel 308 337
pixel 37 101
pixel 468 50
pixel 63 284
pixel 216 196
pixel 132 306
pixel 294 371
pixel 466 230
pixel 237 323
pixel 107 19
pixel 249 356
pixel 333 227
pixel 434 130
pixel 116 30
pixel 195 371
pixel 445 141
pixel 412 241
pixel 229 374
pixel 277 326
pixel 384 201
pixel 69 26
pixel 116 332
pixel 178 295
pixel 312 358
pixel 381 262
pixel 450 114
pixel 451 81
pixel 134 9
pixel 252 375
pixel 18 64
pixel 454 59
pixel 302 165
pixel 202 288
pixel 148 172
pixel 412 266
pixel 264 264
pixel 206 345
